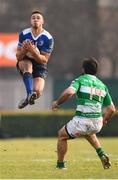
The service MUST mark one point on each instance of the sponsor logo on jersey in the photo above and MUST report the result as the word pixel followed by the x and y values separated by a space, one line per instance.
pixel 41 43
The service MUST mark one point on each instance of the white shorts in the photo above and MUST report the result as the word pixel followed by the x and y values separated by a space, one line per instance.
pixel 83 126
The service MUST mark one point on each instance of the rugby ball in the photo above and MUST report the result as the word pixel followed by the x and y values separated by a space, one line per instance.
pixel 28 54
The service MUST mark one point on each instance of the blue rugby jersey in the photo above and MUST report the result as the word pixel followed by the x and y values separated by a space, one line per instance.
pixel 44 41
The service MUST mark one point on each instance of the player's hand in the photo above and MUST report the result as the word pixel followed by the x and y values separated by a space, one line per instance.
pixel 30 47
pixel 55 106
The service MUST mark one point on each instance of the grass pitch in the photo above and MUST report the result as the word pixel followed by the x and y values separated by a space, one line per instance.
pixel 36 159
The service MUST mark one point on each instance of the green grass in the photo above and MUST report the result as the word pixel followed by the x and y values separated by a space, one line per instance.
pixel 36 159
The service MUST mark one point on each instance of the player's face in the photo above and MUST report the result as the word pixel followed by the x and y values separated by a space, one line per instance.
pixel 36 20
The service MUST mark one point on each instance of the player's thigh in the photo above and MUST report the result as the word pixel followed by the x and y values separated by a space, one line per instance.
pixel 25 66
pixel 62 133
pixel 38 85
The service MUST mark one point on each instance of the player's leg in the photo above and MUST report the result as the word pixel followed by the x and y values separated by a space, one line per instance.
pixel 39 76
pixel 93 140
pixel 38 86
pixel 71 130
pixel 25 68
pixel 62 147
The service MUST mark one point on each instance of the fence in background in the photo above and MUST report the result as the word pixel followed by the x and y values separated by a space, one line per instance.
pixel 44 124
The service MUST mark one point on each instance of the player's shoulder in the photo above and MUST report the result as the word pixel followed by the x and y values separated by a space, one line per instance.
pixel 26 31
pixel 82 77
pixel 87 78
pixel 47 34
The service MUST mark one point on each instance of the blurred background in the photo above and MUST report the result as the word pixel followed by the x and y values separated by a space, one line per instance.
pixel 81 28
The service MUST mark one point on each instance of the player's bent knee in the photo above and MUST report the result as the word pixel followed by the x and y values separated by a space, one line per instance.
pixel 62 134
pixel 59 133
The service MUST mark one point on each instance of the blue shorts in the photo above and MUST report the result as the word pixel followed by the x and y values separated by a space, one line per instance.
pixel 39 70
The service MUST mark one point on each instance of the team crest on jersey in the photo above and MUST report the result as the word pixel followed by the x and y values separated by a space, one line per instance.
pixel 40 43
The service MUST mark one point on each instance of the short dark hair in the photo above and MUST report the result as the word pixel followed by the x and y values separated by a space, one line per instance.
pixel 36 12
pixel 90 66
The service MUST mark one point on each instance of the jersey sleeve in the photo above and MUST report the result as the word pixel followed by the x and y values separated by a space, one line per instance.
pixel 75 84
pixel 107 99
pixel 21 39
pixel 48 46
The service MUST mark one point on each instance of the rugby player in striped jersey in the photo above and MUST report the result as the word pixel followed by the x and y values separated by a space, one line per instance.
pixel 91 94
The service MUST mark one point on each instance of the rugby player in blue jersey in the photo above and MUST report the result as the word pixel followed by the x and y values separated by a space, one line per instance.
pixel 33 52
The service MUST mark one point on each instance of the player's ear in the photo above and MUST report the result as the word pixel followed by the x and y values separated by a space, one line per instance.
pixel 43 20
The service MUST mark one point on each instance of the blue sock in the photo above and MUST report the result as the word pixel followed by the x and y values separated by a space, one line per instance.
pixel 28 81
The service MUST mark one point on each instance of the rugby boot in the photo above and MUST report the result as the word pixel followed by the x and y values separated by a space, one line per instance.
pixel 32 97
pixel 105 161
pixel 23 103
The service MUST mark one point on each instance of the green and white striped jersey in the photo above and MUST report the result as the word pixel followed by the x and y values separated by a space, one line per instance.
pixel 91 95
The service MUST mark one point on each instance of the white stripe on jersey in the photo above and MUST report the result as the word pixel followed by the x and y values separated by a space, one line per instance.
pixel 89 109
pixel 47 34
pixel 26 31
pixel 44 32
pixel 93 90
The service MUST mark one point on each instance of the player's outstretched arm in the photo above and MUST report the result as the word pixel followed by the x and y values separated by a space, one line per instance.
pixel 66 94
